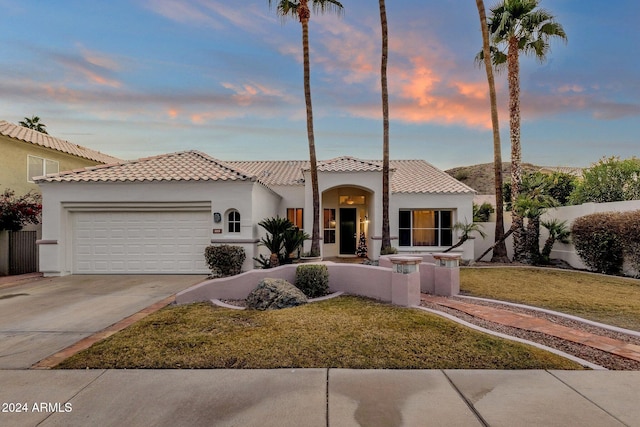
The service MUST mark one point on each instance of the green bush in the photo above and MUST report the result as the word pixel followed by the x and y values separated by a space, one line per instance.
pixel 482 212
pixel 629 231
pixel 225 260
pixel 313 280
pixel 609 180
pixel 598 243
pixel 389 250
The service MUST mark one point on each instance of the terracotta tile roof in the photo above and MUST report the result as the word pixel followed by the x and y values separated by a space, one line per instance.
pixel 181 166
pixel 33 137
pixel 274 172
pixel 348 164
pixel 418 176
pixel 409 176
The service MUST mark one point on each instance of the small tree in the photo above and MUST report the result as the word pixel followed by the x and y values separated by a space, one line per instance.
pixel 466 229
pixel 282 239
pixel 609 180
pixel 16 212
pixel 558 232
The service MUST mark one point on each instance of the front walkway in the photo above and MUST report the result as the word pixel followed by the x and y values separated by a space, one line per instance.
pixel 536 324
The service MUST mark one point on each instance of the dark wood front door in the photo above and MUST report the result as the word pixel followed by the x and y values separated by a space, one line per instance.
pixel 347 231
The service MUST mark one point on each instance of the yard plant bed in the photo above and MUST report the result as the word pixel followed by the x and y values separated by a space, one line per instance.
pixel 605 299
pixel 345 332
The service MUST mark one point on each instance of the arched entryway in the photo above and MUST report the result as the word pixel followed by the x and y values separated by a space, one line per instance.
pixel 347 214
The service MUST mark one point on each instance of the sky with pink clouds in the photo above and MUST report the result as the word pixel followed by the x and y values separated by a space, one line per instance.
pixel 143 77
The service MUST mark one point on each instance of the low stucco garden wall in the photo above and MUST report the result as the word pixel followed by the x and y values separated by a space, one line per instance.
pixel 355 279
pixel 368 281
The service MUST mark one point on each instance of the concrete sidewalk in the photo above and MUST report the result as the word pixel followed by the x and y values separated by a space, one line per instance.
pixel 319 397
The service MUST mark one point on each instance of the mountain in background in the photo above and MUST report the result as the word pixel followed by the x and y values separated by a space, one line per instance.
pixel 480 177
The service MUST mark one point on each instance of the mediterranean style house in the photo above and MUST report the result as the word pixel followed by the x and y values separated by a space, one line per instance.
pixel 157 214
pixel 27 154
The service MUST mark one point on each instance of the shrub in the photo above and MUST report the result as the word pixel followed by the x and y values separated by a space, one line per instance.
pixel 629 231
pixel 225 260
pixel 313 280
pixel 609 180
pixel 597 242
pixel 16 212
pixel 389 250
pixel 483 212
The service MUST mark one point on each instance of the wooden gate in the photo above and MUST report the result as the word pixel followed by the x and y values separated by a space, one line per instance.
pixel 23 252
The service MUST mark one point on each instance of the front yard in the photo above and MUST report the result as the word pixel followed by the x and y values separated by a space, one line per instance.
pixel 346 332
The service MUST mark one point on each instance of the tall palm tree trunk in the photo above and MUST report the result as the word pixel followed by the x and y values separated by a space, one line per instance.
pixel 513 70
pixel 500 249
pixel 386 234
pixel 304 14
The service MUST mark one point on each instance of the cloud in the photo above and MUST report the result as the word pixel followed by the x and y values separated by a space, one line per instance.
pixel 212 14
pixel 184 12
pixel 87 66
pixel 427 84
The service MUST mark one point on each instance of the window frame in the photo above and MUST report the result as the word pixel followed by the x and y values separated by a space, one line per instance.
pixel 44 161
pixel 295 211
pixel 329 233
pixel 234 224
pixel 438 228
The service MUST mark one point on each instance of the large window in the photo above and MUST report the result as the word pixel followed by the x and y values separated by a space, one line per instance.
pixel 329 226
pixel 295 216
pixel 425 228
pixel 233 221
pixel 37 166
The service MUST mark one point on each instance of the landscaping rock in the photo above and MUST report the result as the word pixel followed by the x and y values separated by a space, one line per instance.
pixel 274 294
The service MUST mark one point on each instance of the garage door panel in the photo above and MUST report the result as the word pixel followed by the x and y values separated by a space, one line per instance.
pixel 140 242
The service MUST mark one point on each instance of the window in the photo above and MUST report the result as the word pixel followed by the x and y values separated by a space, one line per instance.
pixel 233 219
pixel 329 226
pixel 425 228
pixel 295 216
pixel 37 166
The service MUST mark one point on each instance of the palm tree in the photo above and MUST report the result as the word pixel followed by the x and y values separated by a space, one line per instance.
pixel 532 202
pixel 466 229
pixel 500 249
pixel 386 234
pixel 34 123
pixel 300 9
pixel 558 232
pixel 519 26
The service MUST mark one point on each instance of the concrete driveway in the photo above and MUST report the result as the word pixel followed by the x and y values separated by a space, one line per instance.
pixel 46 315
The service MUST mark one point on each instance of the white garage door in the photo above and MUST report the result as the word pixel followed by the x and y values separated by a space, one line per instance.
pixel 140 242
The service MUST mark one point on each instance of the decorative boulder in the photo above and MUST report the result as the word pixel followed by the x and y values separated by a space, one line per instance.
pixel 274 294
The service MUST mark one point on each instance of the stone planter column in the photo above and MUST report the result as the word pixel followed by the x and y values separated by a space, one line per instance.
pixel 447 274
pixel 405 280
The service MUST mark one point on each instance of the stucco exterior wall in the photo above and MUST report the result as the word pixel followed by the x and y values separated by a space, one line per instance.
pixel 59 199
pixel 13 164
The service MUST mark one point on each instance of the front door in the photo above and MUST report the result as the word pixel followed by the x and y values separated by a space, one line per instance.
pixel 347 231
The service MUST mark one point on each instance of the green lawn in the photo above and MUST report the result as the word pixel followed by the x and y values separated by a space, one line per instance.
pixel 606 299
pixel 346 332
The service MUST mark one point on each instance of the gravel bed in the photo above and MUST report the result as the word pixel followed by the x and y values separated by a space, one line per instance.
pixel 602 358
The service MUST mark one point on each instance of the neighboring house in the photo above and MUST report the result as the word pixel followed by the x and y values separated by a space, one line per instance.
pixel 27 154
pixel 157 215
